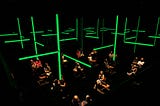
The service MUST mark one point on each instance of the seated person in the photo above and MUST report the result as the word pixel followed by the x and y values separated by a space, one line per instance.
pixel 133 70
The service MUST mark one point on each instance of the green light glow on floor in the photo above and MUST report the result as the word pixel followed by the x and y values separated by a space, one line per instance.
pixel 38 55
pixel 131 37
pixel 103 47
pixel 87 65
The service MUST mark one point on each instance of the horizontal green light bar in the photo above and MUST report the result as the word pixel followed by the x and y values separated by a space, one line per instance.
pixel 45 54
pixel 136 43
pixel 94 37
pixel 49 35
pixel 89 28
pixel 90 33
pixel 65 33
pixel 77 61
pixel 38 32
pixel 68 39
pixel 102 30
pixel 40 44
pixel 154 36
pixel 103 47
pixel 12 34
pixel 138 30
pixel 49 30
pixel 130 37
pixel 13 41
pixel 69 30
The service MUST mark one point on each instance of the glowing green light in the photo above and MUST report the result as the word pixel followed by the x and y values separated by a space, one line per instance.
pixel 103 47
pixel 40 44
pixel 154 36
pixel 94 37
pixel 115 39
pixel 58 46
pixel 20 33
pixel 136 43
pixel 38 55
pixel 13 41
pixel 37 31
pixel 137 33
pixel 68 39
pixel 90 33
pixel 138 30
pixel 34 37
pixel 12 34
pixel 77 61
pixel 49 35
pixel 66 33
pixel 131 37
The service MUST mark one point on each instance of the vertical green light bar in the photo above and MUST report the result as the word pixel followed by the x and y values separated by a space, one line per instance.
pixel 156 31
pixel 81 37
pixel 34 37
pixel 115 39
pixel 125 29
pixel 137 33
pixel 58 45
pixel 20 33
pixel 97 29
pixel 102 31
pixel 77 28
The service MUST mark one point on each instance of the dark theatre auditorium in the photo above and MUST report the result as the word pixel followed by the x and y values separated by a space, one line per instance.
pixel 79 53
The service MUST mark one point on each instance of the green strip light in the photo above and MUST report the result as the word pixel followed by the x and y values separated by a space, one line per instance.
pixel 77 61
pixel 115 39
pixel 154 36
pixel 20 33
pixel 68 39
pixel 136 43
pixel 131 37
pixel 94 37
pixel 58 46
pixel 12 34
pixel 45 54
pixel 37 31
pixel 103 47
pixel 13 41
pixel 40 44
pixel 34 37
pixel 49 35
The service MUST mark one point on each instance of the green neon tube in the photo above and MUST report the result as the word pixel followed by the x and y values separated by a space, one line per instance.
pixel 13 41
pixel 58 46
pixel 115 39
pixel 38 55
pixel 20 33
pixel 34 37
pixel 103 47
pixel 77 61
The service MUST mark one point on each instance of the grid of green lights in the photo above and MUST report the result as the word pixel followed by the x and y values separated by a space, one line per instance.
pixel 88 30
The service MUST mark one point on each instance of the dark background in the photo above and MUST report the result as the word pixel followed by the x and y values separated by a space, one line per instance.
pixel 12 8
